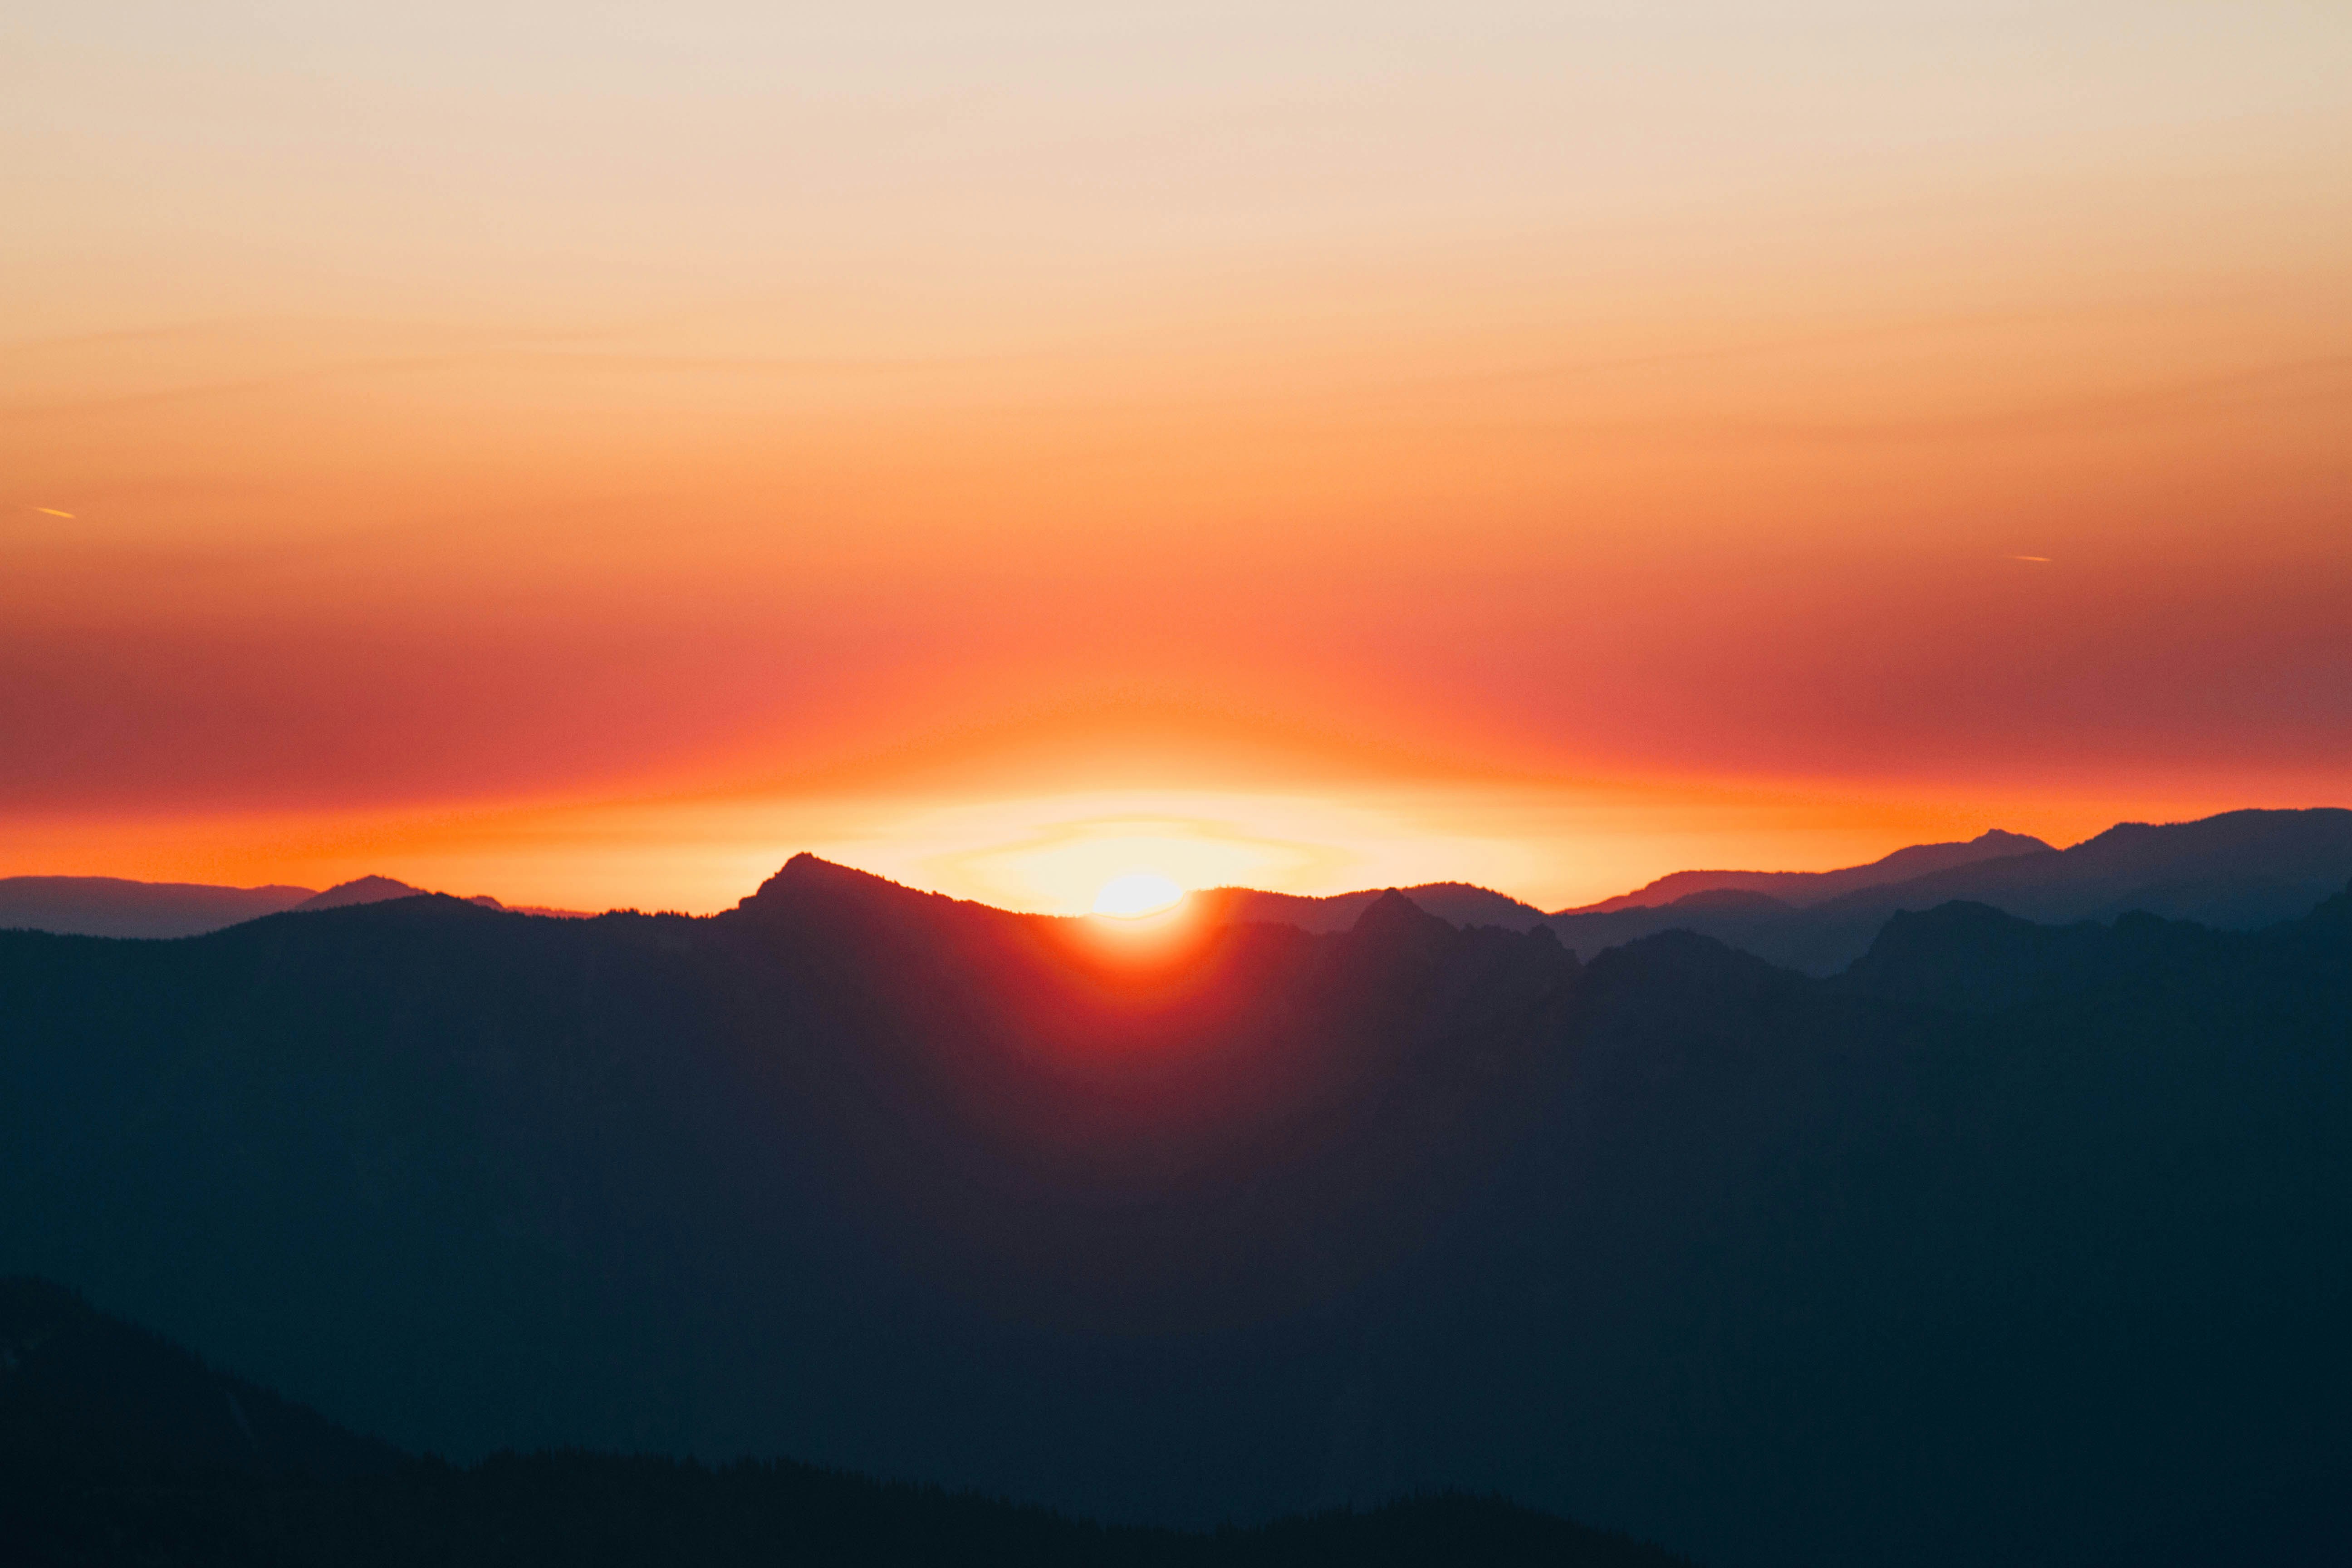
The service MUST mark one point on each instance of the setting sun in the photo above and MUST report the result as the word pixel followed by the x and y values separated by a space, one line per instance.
pixel 1136 895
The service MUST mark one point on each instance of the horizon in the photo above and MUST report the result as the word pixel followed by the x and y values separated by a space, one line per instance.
pixel 1117 899
pixel 573 455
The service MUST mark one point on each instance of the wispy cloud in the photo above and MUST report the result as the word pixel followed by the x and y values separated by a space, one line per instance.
pixel 2043 559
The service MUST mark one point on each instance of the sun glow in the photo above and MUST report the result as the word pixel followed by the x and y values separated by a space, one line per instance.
pixel 1136 895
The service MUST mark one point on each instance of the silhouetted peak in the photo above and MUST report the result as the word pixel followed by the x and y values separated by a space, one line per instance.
pixel 2008 842
pixel 806 879
pixel 1392 916
pixel 1962 925
pixel 1975 958
pixel 1683 969
pixel 363 890
pixel 1460 904
pixel 802 870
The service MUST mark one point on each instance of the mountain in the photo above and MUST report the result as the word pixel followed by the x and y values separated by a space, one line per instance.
pixel 1457 904
pixel 87 1398
pixel 363 890
pixel 108 906
pixel 1803 888
pixel 2013 1243
pixel 119 1447
pixel 2239 870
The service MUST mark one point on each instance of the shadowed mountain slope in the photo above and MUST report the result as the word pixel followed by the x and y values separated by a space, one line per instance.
pixel 117 1447
pixel 2012 1244
pixel 86 1398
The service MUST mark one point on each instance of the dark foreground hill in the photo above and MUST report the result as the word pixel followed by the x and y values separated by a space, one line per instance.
pixel 117 1447
pixel 2015 1244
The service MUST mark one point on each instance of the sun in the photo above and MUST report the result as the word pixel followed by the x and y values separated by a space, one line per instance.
pixel 1136 894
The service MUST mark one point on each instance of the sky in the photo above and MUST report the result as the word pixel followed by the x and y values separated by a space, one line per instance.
pixel 586 453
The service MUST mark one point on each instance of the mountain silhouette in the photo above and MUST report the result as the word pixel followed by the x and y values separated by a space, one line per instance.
pixel 1803 888
pixel 1458 903
pixel 2239 870
pixel 2013 1243
pixel 88 1399
pixel 119 1447
pixel 362 890
pixel 110 906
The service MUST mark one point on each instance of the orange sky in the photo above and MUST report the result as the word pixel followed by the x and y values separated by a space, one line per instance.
pixel 586 454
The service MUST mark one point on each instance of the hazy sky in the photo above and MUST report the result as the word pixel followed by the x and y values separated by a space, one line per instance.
pixel 586 452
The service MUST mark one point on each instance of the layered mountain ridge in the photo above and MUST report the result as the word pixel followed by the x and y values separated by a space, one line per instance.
pixel 2239 870
pixel 1799 889
pixel 1241 1219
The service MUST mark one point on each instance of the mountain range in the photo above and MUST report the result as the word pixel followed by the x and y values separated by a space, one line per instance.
pixel 2013 1241
pixel 2237 870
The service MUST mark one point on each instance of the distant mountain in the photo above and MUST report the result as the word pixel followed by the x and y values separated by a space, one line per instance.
pixel 1803 888
pixel 2013 1244
pixel 110 906
pixel 2237 871
pixel 1456 903
pixel 2240 870
pixel 117 1447
pixel 363 890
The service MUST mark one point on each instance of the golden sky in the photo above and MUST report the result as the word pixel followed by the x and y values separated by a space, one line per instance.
pixel 587 452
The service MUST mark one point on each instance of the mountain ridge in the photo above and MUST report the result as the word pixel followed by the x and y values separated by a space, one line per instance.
pixel 2237 870
pixel 1993 866
pixel 1254 1221
pixel 1801 887
pixel 117 907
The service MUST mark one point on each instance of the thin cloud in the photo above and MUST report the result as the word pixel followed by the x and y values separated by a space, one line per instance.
pixel 51 511
pixel 2044 559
